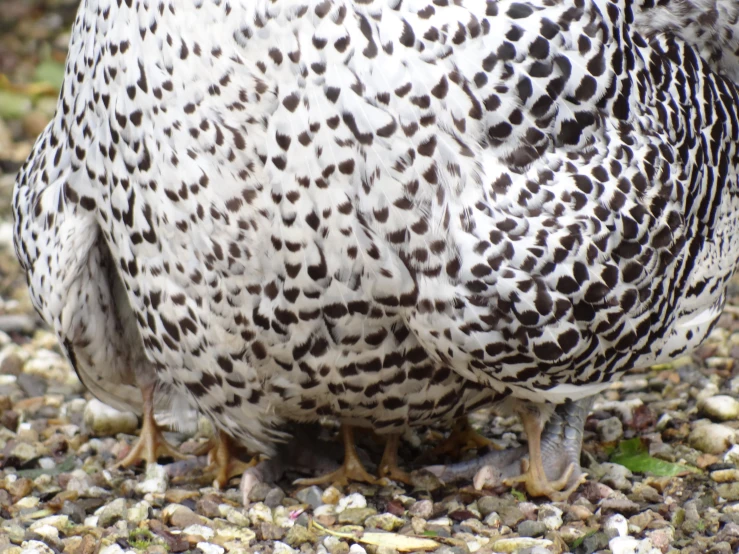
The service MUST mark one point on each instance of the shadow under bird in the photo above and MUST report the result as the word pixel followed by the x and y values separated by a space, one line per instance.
pixel 388 212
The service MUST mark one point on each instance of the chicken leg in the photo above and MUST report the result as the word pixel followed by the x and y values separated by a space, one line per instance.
pixel 389 464
pixel 351 470
pixel 151 444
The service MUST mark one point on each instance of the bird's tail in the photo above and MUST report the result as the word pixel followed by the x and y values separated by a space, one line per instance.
pixel 710 26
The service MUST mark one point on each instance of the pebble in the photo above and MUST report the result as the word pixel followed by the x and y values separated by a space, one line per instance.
pixel 106 421
pixel 610 430
pixel 313 496
pixel 210 548
pixel 354 500
pixel 199 530
pixel 732 456
pixel 386 522
pixel 519 543
pixel 155 480
pixel 529 528
pixel 357 549
pixel 274 497
pixel 423 509
pixel 113 512
pixel 712 438
pixel 282 548
pixel 630 545
pixel 181 516
pixel 36 547
pixel 720 407
pixel 297 535
pixel 728 491
pixel 331 495
pixel 138 512
pixel 259 513
pixel 551 516
pixel 615 476
pixel 725 475
pixel 356 516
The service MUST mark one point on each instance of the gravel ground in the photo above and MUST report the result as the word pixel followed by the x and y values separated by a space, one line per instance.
pixel 59 493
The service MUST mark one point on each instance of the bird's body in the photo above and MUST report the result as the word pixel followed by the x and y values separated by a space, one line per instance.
pixel 392 212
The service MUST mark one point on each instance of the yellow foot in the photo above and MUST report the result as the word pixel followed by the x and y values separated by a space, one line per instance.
pixel 352 470
pixel 389 463
pixel 150 446
pixel 223 464
pixel 463 437
pixel 538 485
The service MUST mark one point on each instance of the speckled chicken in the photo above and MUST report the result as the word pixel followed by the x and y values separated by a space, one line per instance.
pixel 393 211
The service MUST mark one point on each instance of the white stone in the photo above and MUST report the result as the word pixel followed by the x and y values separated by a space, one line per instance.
pixel 712 438
pixel 138 512
pixel 282 548
pixel 199 530
pixel 630 545
pixel 36 547
pixel 260 512
pixel 155 480
pixel 114 548
pixel 354 500
pixel 610 430
pixel 91 521
pixel 616 526
pixel 210 548
pixel 720 407
pixel 732 456
pixel 105 421
pixel 61 522
pixel 551 516
pixel 356 549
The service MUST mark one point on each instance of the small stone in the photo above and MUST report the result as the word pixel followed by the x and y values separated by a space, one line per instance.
pixel 357 549
pixel 274 497
pixel 106 421
pixel 155 480
pixel 259 513
pixel 518 543
pixel 423 509
pixel 594 542
pixel 199 531
pixel 12 364
pixel 630 545
pixel 732 456
pixel 138 512
pixel 178 496
pixel 32 385
pixel 386 522
pixel 728 491
pixel 354 500
pixel 616 526
pixel 313 496
pixel 610 430
pixel 271 532
pixel 619 506
pixel 59 522
pixel 713 438
pixel 614 475
pixel 720 407
pixel 210 548
pixel 551 516
pixel 181 516
pixel 20 488
pixel 36 547
pixel 331 495
pixel 297 535
pixel 529 528
pixel 282 548
pixel 113 512
pixel 356 516
pixel 725 475
pixel 259 492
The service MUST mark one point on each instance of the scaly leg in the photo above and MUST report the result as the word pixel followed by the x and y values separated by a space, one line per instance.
pixel 557 449
pixel 389 463
pixel 462 437
pixel 223 463
pixel 351 470
pixel 151 444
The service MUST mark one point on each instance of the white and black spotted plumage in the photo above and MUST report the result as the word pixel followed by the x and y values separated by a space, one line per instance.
pixel 389 211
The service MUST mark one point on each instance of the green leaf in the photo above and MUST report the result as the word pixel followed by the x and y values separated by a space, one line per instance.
pixel 50 72
pixel 518 495
pixel 634 455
